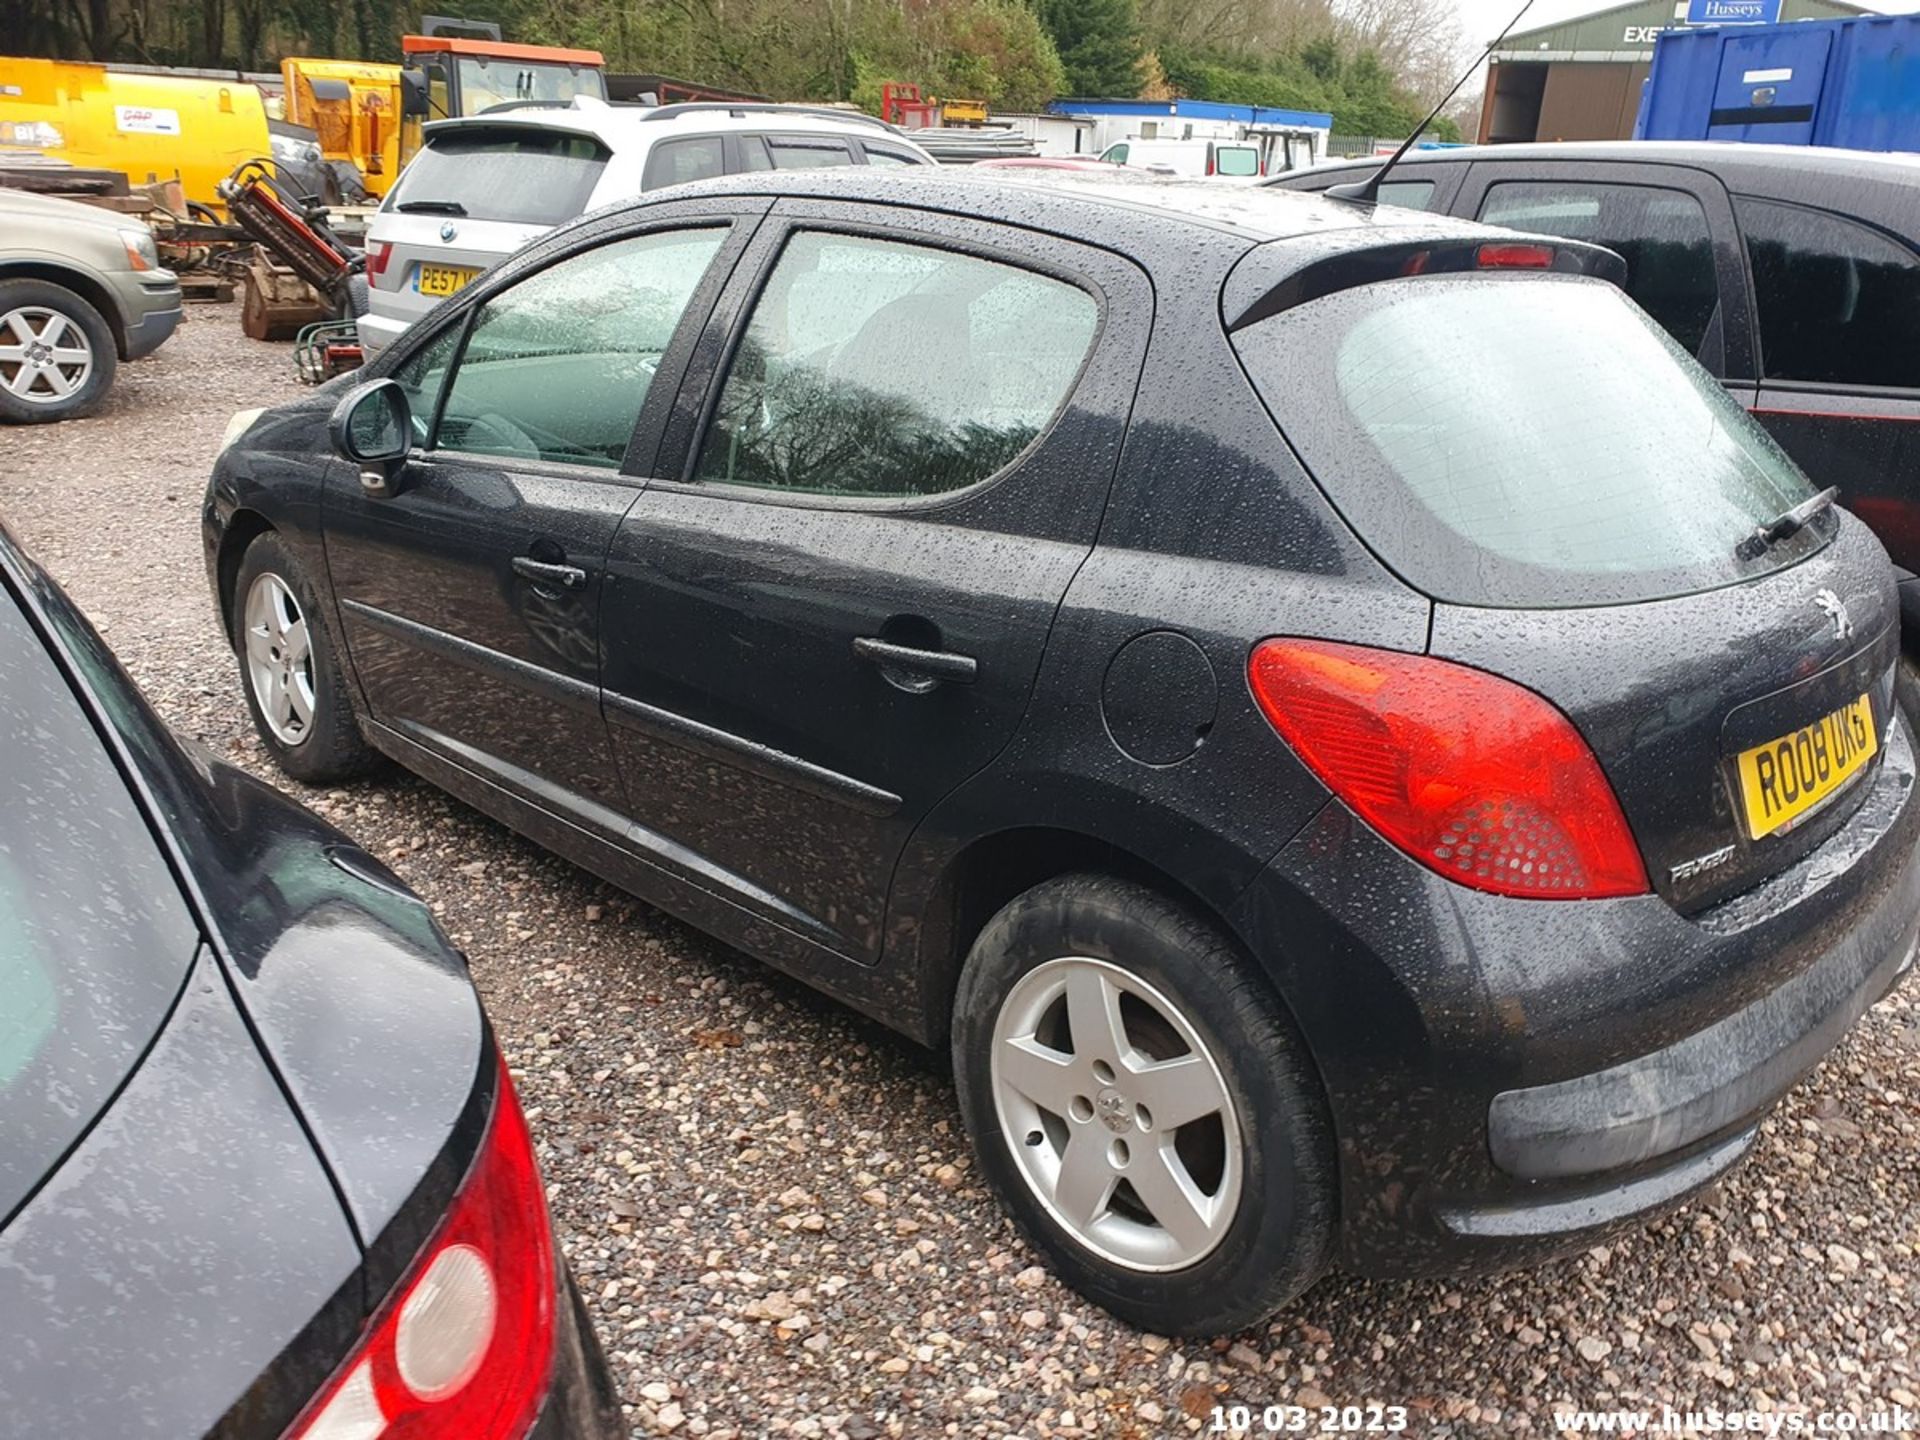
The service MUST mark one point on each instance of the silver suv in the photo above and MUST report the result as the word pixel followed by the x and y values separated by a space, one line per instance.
pixel 483 186
pixel 81 289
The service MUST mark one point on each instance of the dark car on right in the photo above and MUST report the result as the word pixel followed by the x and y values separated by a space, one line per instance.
pixel 1791 272
pixel 1359 746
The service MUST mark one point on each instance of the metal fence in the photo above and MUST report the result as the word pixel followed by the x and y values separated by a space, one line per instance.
pixel 1347 147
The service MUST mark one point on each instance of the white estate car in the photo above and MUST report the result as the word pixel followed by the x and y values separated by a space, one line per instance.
pixel 483 186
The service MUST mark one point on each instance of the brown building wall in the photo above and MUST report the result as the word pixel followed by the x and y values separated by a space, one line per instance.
pixel 1590 101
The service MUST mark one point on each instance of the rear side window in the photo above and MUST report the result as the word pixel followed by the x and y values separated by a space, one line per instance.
pixel 1839 303
pixel 676 162
pixel 517 175
pixel 557 367
pixel 95 938
pixel 877 156
pixel 797 152
pixel 881 369
pixel 1522 441
pixel 1662 235
pixel 1408 194
pixel 1235 160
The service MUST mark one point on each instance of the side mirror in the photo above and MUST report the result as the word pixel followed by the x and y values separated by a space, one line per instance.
pixel 373 427
pixel 413 94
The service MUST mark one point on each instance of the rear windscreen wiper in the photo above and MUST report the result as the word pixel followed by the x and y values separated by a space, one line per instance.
pixel 431 207
pixel 1787 522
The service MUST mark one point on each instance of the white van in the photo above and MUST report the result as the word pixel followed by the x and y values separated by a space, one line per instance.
pixel 1199 159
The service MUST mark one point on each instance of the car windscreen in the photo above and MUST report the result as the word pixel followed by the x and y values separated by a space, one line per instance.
pixel 486 81
pixel 515 174
pixel 95 937
pixel 1515 440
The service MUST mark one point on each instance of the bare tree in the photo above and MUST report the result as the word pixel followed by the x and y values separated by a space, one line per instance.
pixel 1418 41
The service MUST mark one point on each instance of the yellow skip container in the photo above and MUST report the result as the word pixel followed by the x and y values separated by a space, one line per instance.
pixel 148 127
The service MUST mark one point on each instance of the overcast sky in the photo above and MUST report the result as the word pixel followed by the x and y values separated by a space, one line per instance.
pixel 1482 19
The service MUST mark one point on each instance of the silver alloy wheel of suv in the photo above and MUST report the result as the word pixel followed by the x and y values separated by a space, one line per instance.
pixel 279 658
pixel 45 357
pixel 1116 1114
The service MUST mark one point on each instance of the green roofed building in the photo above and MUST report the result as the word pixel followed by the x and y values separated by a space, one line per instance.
pixel 1581 79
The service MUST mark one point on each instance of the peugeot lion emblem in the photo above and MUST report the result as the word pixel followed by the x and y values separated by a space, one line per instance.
pixel 448 230
pixel 1835 609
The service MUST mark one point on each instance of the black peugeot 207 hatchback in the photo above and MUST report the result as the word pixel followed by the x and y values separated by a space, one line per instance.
pixel 1361 748
pixel 262 1172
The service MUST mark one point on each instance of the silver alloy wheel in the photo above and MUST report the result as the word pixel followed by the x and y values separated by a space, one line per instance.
pixel 1116 1114
pixel 279 658
pixel 45 357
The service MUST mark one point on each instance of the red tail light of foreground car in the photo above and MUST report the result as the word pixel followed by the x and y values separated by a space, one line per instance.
pixel 464 1346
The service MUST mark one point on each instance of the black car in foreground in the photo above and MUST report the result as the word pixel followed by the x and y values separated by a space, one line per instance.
pixel 1791 272
pixel 1359 745
pixel 262 1172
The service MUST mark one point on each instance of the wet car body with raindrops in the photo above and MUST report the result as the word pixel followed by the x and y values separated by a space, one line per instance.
pixel 263 1172
pixel 1339 699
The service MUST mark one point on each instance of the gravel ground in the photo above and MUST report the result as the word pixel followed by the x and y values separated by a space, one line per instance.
pixel 769 1202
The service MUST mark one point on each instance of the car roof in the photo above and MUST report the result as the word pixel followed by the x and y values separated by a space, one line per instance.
pixel 1738 164
pixel 1076 202
pixel 620 125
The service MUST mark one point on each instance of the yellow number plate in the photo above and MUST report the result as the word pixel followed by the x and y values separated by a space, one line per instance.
pixel 442 279
pixel 1785 778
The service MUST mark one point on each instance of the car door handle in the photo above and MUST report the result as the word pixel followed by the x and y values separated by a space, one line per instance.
pixel 932 664
pixel 566 577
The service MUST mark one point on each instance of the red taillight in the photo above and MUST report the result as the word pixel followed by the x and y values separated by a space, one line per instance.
pixel 1514 257
pixel 1473 776
pixel 463 1348
pixel 378 253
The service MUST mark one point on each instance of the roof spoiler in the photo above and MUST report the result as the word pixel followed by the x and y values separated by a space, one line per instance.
pixel 1256 297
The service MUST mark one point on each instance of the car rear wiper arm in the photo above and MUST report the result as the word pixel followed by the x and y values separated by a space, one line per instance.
pixel 431 207
pixel 1787 522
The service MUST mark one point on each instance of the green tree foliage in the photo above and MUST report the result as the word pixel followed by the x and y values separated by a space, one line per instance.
pixel 1363 98
pixel 1014 54
pixel 1100 44
pixel 995 50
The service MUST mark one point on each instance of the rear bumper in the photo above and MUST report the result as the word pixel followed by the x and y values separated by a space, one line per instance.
pixel 379 331
pixel 1670 1099
pixel 1512 1079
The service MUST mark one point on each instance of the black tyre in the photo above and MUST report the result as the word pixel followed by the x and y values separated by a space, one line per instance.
pixel 1145 1106
pixel 290 669
pixel 57 357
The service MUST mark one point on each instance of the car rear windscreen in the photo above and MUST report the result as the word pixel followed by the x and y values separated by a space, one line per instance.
pixel 514 174
pixel 95 938
pixel 1236 160
pixel 1514 440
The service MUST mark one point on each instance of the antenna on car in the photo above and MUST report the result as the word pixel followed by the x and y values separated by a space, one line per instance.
pixel 1367 191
